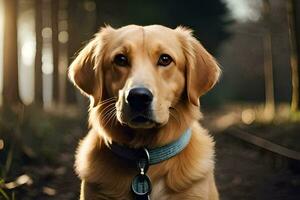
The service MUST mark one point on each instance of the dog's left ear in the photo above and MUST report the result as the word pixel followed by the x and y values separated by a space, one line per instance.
pixel 202 70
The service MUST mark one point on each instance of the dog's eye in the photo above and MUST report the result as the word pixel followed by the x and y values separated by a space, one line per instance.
pixel 121 60
pixel 164 60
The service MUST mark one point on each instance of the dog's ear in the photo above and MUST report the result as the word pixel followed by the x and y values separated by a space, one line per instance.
pixel 85 71
pixel 202 70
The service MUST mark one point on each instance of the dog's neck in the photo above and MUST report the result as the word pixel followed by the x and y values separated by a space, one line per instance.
pixel 183 118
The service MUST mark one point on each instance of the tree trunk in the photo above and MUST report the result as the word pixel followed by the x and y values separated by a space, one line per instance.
pixel 268 64
pixel 38 85
pixel 296 11
pixel 63 50
pixel 54 21
pixel 10 68
pixel 293 56
pixel 75 43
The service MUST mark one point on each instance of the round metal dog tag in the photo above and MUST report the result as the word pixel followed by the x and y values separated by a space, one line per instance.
pixel 141 185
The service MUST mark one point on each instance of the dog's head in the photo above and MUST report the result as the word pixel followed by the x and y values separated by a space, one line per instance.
pixel 139 73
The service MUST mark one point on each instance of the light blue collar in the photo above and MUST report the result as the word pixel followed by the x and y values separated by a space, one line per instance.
pixel 156 155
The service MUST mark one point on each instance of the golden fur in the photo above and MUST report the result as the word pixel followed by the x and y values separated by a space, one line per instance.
pixel 176 90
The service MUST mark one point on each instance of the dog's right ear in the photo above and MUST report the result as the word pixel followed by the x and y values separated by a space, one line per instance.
pixel 85 71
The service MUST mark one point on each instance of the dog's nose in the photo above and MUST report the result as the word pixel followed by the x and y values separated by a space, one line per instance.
pixel 139 98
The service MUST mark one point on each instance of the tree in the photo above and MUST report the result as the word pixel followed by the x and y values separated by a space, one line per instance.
pixel 38 83
pixel 81 15
pixel 63 50
pixel 54 22
pixel 293 12
pixel 206 18
pixel 297 32
pixel 268 64
pixel 10 70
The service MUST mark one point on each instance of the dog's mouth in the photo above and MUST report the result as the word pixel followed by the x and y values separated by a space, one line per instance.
pixel 142 121
pixel 137 119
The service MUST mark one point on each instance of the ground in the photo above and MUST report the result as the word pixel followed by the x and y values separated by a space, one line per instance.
pixel 243 171
pixel 246 172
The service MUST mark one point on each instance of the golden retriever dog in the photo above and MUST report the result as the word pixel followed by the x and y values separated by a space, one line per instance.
pixel 144 83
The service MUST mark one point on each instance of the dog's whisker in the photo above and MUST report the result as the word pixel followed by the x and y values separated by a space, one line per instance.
pixel 106 102
pixel 110 98
pixel 175 118
pixel 105 117
pixel 106 109
pixel 172 115
pixel 114 120
pixel 176 112
pixel 108 105
pixel 106 121
pixel 107 113
pixel 111 115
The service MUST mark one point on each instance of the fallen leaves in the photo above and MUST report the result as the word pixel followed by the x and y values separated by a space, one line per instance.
pixel 21 180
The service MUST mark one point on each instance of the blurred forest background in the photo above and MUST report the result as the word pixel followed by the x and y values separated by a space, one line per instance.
pixel 253 112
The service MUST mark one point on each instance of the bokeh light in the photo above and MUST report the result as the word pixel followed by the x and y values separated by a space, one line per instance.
pixel 26 50
pixel 89 6
pixel 47 32
pixel 28 53
pixel 248 116
pixel 244 10
pixel 63 37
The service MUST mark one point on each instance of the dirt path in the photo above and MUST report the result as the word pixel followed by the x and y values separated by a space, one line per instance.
pixel 245 172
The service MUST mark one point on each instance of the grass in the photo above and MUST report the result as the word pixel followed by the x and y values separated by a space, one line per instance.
pixel 2 192
pixel 31 136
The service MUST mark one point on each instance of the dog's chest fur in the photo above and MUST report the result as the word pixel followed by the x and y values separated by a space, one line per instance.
pixel 111 176
pixel 159 190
